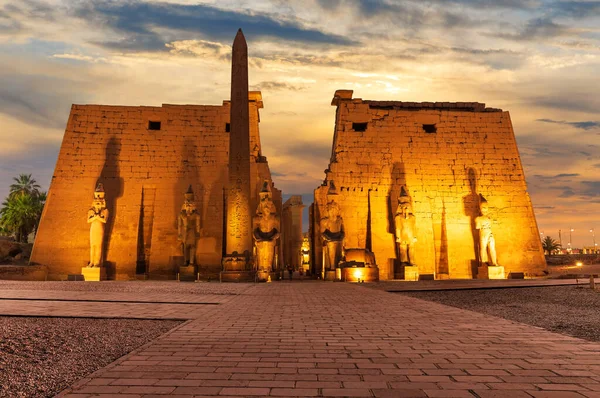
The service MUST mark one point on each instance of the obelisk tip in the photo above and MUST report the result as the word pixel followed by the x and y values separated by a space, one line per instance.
pixel 240 39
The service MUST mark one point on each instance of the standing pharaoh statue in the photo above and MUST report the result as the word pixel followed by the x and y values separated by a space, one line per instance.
pixel 97 217
pixel 332 233
pixel 405 229
pixel 188 228
pixel 265 230
pixel 487 242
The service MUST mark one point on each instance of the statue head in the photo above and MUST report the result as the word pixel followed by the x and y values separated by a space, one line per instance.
pixel 405 208
pixel 266 208
pixel 483 205
pixel 265 192
pixel 99 202
pixel 404 203
pixel 189 207
pixel 332 209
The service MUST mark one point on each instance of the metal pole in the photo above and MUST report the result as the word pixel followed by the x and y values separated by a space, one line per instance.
pixel 570 238
pixel 560 238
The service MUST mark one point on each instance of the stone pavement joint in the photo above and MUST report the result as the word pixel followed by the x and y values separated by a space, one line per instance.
pixel 333 339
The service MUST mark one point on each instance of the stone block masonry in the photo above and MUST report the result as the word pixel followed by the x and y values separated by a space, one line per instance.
pixel 446 155
pixel 146 157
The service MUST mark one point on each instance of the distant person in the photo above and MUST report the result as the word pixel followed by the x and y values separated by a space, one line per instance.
pixel 290 271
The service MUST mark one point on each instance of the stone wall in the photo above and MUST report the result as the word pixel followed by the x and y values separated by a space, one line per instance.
pixel 291 221
pixel 145 173
pixel 445 155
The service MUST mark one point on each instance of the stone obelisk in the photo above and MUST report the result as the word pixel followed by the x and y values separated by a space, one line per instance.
pixel 239 220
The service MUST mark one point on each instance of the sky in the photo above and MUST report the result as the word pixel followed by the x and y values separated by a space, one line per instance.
pixel 538 59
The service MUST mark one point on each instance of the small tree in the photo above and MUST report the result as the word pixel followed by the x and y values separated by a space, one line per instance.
pixel 550 245
pixel 22 210
pixel 24 185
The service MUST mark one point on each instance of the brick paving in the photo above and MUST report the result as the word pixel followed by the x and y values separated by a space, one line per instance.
pixel 333 339
pixel 145 300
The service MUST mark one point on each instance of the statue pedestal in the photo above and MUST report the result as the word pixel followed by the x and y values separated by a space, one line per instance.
pixel 411 273
pixel 490 272
pixel 263 276
pixel 237 276
pixel 359 274
pixel 236 268
pixel 187 273
pixel 235 263
pixel 329 276
pixel 95 274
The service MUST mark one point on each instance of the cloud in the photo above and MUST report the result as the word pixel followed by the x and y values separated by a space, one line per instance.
pixel 149 26
pixel 575 9
pixel 538 29
pixel 591 188
pixel 567 193
pixel 589 125
pixel 22 97
pixel 562 175
pixel 490 4
pixel 569 100
pixel 320 152
pixel 410 15
pixel 276 86
pixel 8 24
pixel 37 159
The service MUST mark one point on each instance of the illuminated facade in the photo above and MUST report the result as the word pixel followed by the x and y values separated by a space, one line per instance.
pixel 146 158
pixel 447 157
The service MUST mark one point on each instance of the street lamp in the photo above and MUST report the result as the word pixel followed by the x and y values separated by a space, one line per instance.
pixel 560 239
pixel 594 240
pixel 570 238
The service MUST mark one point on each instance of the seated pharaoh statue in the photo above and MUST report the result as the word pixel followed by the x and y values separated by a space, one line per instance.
pixel 405 229
pixel 332 233
pixel 188 228
pixel 97 217
pixel 265 230
pixel 487 243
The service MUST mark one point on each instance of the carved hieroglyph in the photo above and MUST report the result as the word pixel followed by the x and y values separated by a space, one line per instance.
pixel 97 217
pixel 487 243
pixel 405 229
pixel 188 228
pixel 266 230
pixel 238 234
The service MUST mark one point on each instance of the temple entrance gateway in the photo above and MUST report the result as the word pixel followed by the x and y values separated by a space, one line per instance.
pixel 412 190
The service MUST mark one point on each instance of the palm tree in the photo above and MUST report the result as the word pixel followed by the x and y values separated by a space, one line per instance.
pixel 22 210
pixel 550 245
pixel 19 215
pixel 23 185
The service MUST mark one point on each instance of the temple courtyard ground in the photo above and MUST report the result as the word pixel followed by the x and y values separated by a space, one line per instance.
pixel 305 339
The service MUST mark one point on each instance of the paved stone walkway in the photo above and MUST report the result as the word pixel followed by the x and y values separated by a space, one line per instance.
pixel 136 300
pixel 333 339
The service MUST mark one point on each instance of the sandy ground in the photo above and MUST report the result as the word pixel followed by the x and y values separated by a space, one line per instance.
pixel 568 310
pixel 39 357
